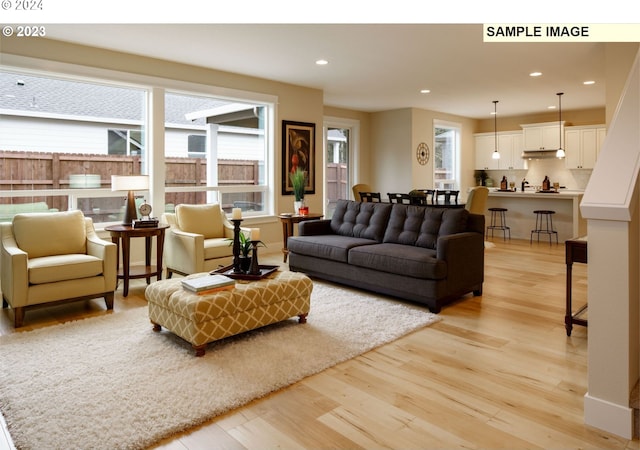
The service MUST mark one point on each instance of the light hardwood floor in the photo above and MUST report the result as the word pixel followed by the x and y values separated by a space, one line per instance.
pixel 497 372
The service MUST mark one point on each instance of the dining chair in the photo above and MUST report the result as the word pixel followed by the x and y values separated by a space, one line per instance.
pixel 448 196
pixel 422 196
pixel 477 200
pixel 395 197
pixel 370 197
pixel 360 187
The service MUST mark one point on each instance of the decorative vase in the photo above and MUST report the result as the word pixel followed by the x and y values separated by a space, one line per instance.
pixel 245 263
pixel 297 204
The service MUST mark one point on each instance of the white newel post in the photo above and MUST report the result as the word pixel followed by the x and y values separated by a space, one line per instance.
pixel 611 207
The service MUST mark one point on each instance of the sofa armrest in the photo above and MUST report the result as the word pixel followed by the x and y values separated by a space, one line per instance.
pixel 464 255
pixel 315 227
pixel 13 262
pixel 108 253
pixel 184 251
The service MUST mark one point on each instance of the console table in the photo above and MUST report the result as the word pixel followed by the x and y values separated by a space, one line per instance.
pixel 124 233
pixel 575 251
pixel 287 227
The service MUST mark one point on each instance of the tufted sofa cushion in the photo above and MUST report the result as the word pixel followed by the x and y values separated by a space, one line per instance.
pixel 415 225
pixel 360 220
pixel 46 234
pixel 201 219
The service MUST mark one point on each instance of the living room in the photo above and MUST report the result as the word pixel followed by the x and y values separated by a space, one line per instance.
pixel 305 105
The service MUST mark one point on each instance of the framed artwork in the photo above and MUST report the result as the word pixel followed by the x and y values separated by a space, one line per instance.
pixel 298 151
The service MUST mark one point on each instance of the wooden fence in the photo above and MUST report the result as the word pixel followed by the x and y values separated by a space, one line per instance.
pixel 41 171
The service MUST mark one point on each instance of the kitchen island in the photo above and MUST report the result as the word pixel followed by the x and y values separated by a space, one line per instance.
pixel 567 220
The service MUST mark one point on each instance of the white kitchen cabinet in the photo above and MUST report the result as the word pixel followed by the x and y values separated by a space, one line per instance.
pixel 541 136
pixel 509 146
pixel 485 145
pixel 582 145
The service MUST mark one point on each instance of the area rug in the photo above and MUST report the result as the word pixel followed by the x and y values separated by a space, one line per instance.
pixel 111 382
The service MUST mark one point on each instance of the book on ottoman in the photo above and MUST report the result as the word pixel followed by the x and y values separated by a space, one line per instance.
pixel 208 283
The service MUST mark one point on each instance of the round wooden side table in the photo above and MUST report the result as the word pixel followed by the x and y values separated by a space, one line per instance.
pixel 124 233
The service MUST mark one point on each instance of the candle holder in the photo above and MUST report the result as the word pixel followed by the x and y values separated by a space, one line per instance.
pixel 255 267
pixel 236 245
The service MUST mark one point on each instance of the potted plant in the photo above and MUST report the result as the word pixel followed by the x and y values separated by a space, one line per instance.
pixel 298 182
pixel 246 246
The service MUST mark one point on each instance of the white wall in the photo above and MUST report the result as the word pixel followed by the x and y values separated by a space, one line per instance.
pixel 43 135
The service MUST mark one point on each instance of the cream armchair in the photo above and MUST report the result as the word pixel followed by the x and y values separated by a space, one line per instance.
pixel 54 257
pixel 198 239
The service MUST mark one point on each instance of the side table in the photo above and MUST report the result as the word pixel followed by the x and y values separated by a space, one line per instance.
pixel 575 251
pixel 287 227
pixel 124 233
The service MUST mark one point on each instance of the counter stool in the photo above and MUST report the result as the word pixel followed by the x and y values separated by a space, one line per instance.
pixel 544 218
pixel 499 222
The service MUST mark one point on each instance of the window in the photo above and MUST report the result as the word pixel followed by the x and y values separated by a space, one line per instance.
pixel 228 140
pixel 337 170
pixel 340 146
pixel 62 138
pixel 196 145
pixel 446 170
pixel 124 142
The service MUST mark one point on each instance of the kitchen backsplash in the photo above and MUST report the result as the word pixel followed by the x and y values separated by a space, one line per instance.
pixel 575 179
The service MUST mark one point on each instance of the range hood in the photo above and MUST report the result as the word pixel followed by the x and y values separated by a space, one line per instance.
pixel 539 154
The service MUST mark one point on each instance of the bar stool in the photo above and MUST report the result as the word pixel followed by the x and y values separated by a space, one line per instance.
pixel 499 222
pixel 544 217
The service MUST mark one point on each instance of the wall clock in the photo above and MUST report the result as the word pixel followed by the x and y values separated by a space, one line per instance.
pixel 422 153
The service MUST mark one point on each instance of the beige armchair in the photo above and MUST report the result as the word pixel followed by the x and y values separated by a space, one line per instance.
pixel 54 257
pixel 477 200
pixel 198 239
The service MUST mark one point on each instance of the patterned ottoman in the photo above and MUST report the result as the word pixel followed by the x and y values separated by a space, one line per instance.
pixel 201 319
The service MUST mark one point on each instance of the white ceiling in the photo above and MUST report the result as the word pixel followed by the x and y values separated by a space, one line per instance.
pixel 376 67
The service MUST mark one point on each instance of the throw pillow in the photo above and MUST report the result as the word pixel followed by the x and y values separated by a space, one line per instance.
pixel 46 234
pixel 201 219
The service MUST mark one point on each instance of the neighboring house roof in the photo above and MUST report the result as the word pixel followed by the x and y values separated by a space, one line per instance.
pixel 47 96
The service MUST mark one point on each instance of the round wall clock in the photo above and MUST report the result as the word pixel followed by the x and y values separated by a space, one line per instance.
pixel 422 153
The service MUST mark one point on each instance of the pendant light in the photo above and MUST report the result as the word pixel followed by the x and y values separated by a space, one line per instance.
pixel 496 153
pixel 560 153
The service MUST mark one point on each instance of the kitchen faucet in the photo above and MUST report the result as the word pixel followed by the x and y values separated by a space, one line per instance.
pixel 524 182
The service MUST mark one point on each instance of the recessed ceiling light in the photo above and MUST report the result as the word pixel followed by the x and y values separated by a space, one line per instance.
pixel 425 91
pixel 535 74
pixel 322 62
pixel 589 82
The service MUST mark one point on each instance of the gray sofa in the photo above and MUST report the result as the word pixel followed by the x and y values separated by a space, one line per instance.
pixel 419 253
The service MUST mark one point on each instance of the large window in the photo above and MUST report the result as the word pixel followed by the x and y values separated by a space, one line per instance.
pixel 62 138
pixel 446 171
pixel 228 140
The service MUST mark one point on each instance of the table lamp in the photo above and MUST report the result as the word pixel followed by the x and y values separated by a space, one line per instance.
pixel 130 183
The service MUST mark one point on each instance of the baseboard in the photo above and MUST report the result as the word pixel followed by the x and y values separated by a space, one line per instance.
pixel 608 416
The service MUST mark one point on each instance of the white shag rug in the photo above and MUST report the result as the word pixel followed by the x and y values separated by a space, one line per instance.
pixel 111 382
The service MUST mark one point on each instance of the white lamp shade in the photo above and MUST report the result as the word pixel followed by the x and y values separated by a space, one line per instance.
pixel 129 182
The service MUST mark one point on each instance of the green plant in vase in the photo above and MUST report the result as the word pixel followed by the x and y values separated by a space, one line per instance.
pixel 246 247
pixel 298 182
